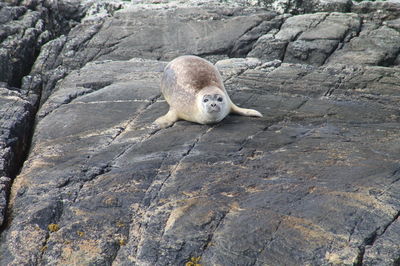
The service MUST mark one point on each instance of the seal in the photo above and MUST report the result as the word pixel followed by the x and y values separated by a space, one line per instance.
pixel 194 90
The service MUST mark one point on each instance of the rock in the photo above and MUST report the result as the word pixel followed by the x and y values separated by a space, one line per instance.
pixel 212 31
pixel 372 47
pixel 17 51
pixel 24 30
pixel 232 67
pixel 384 251
pixel 5 183
pixel 313 182
pixel 302 7
pixel 16 120
pixel 379 10
pixel 309 38
pixel 306 179
pixel 165 34
pixel 245 43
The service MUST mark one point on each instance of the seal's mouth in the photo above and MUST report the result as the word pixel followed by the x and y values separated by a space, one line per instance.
pixel 214 109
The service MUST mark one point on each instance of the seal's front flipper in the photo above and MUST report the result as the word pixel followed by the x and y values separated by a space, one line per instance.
pixel 166 120
pixel 245 112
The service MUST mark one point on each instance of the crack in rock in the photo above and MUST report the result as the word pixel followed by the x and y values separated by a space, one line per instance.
pixel 372 237
pixel 269 241
pixel 211 235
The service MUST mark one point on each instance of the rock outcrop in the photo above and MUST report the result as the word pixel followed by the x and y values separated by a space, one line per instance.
pixel 315 181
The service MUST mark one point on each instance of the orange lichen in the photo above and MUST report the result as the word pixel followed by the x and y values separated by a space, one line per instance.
pixel 194 261
pixel 53 227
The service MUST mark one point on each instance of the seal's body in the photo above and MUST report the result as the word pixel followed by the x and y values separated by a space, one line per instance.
pixel 193 88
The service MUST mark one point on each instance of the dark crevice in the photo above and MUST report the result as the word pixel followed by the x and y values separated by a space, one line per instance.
pixel 87 89
pixel 274 122
pixel 338 84
pixel 57 22
pixel 152 193
pixel 243 45
pixel 395 173
pixel 210 237
pixel 371 238
pixel 151 131
pixel 273 235
pixel 57 212
pixel 21 152
pixel 284 52
pixel 96 171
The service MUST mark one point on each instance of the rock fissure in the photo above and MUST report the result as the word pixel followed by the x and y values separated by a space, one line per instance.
pixel 176 167
pixel 210 236
pixel 265 245
pixel 353 228
pixel 148 105
pixel 51 228
pixel 372 237
pixel 146 137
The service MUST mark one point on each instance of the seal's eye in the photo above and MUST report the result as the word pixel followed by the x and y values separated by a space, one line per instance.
pixel 205 100
pixel 220 99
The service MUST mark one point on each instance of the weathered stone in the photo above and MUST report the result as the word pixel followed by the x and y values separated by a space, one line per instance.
pixel 245 43
pixel 311 6
pixel 5 183
pixel 383 250
pixel 379 46
pixel 16 120
pixel 310 38
pixel 306 179
pixel 378 10
pixel 165 34
pixel 313 182
pixel 269 48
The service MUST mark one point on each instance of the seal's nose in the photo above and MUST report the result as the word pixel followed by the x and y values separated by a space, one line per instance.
pixel 213 105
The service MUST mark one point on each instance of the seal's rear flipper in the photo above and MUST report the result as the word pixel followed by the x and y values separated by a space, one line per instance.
pixel 166 120
pixel 245 112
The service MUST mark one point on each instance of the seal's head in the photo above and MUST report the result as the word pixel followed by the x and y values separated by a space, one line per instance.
pixel 213 103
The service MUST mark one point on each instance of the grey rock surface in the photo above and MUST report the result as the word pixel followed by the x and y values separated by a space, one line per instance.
pixel 313 182
pixel 17 112
pixel 300 7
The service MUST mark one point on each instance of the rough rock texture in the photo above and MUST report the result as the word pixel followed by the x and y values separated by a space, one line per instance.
pixel 24 30
pixel 17 113
pixel 300 6
pixel 313 182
